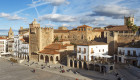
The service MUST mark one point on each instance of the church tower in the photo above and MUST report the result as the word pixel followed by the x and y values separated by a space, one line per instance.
pixel 10 33
pixel 130 18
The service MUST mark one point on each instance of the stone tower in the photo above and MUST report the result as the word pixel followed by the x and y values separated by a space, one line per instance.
pixel 38 39
pixel 130 18
pixel 10 33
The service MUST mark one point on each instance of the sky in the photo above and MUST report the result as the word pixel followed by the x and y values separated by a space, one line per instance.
pixel 69 13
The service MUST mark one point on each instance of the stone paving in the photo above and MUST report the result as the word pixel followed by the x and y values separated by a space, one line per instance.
pixel 19 72
pixel 52 72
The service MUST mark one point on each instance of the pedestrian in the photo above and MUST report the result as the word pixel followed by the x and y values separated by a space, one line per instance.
pixel 60 67
pixel 12 63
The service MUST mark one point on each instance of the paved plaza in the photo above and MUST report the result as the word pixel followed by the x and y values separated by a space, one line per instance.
pixel 52 72
pixel 18 72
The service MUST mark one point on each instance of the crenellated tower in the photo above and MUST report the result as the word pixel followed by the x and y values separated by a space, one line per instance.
pixel 38 38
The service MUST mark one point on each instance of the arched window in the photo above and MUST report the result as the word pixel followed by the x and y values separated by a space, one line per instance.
pixel 56 58
pixel 42 57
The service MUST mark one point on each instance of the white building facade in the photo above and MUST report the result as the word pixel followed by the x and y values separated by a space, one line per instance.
pixel 3 43
pixel 91 52
pixel 128 55
pixel 21 48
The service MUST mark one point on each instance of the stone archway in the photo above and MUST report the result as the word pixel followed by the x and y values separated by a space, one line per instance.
pixel 41 57
pixel 111 68
pixel 103 69
pixel 75 63
pixel 80 64
pixel 91 66
pixel 71 63
pixel 56 58
pixel 97 67
pixel 85 65
pixel 51 58
pixel 46 59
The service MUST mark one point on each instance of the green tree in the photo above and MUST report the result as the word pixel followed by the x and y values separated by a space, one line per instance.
pixel 56 39
pixel 134 29
pixel 131 27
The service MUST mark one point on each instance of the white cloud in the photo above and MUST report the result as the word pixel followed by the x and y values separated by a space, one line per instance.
pixel 91 20
pixel 4 15
pixel 50 25
pixel 11 17
pixel 56 2
pixel 57 18
pixel 113 11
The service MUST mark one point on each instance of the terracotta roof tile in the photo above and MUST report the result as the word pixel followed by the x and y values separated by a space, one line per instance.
pixel 84 26
pixel 117 28
pixel 48 51
pixel 98 30
pixel 2 38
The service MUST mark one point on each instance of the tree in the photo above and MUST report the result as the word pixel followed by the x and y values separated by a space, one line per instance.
pixel 134 29
pixel 131 27
pixel 56 39
pixel 129 24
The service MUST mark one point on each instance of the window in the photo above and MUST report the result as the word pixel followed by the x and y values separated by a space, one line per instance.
pixel 79 50
pixel 84 50
pixel 79 57
pixel 128 52
pixel 84 58
pixel 92 51
pixel 91 58
pixel 134 53
pixel 119 51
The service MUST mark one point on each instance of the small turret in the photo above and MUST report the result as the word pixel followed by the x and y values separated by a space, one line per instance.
pixel 10 33
pixel 129 18
pixel 34 24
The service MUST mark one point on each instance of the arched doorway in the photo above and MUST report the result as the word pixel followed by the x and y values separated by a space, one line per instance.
pixel 41 57
pixel 46 59
pixel 75 64
pixel 103 69
pixel 71 63
pixel 91 66
pixel 56 58
pixel 111 68
pixel 97 68
pixel 85 65
pixel 51 58
pixel 80 64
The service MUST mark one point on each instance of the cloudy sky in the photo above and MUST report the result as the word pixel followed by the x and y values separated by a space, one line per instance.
pixel 70 13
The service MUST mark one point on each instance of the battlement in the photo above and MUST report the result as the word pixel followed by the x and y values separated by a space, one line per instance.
pixel 47 29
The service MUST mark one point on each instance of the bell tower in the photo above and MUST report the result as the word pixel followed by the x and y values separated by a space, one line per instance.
pixel 130 18
pixel 10 33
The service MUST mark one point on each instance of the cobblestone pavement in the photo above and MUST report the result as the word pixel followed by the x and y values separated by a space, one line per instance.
pixel 19 72
pixel 128 72
pixel 52 72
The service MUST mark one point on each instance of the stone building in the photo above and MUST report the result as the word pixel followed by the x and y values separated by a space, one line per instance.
pixel 38 38
pixel 117 34
pixel 10 33
pixel 23 30
pixel 55 52
pixel 80 34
